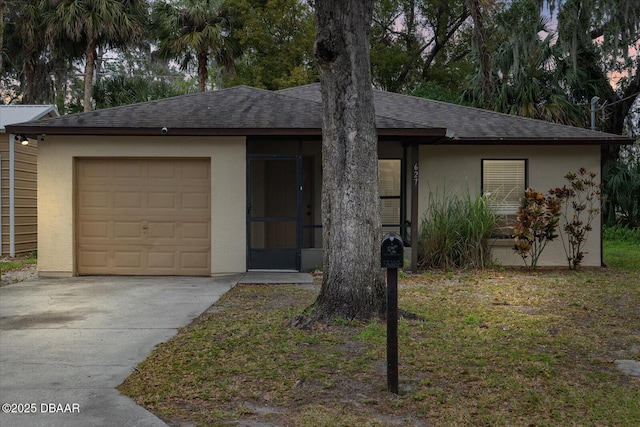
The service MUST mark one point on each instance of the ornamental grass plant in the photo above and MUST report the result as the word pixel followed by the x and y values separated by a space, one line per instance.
pixel 455 232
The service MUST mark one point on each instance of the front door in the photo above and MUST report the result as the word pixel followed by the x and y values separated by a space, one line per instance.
pixel 273 206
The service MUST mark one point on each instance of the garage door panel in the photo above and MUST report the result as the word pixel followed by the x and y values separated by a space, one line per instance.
pixel 159 231
pixel 94 229
pixel 94 259
pixel 195 200
pixel 162 200
pixel 94 199
pixel 127 259
pixel 128 231
pixel 127 199
pixel 143 216
pixel 159 260
pixel 168 172
pixel 128 169
pixel 193 260
pixel 93 171
pixel 196 173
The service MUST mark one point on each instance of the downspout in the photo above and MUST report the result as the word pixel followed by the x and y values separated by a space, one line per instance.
pixel 12 207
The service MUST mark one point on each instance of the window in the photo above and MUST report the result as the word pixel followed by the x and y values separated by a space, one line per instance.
pixel 504 182
pixel 389 182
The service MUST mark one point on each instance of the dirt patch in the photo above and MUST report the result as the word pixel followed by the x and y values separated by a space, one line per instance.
pixel 27 272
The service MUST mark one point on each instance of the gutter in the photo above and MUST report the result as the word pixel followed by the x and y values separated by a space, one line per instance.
pixel 34 131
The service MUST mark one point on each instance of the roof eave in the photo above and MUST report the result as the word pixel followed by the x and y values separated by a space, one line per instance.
pixel 33 131
pixel 158 131
pixel 539 141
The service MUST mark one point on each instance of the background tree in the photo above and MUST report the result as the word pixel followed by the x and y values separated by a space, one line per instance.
pixel 25 47
pixel 593 41
pixel 1 33
pixel 410 36
pixel 352 284
pixel 123 90
pixel 276 38
pixel 526 70
pixel 94 24
pixel 196 30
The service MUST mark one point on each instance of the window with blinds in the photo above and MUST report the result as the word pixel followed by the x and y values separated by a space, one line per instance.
pixel 389 181
pixel 504 182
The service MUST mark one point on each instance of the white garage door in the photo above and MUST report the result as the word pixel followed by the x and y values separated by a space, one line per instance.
pixel 143 217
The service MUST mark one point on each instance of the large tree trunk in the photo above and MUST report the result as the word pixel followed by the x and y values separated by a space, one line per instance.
pixel 89 67
pixel 353 285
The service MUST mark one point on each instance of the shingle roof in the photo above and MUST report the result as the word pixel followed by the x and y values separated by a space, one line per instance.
pixel 245 110
pixel 467 123
pixel 240 110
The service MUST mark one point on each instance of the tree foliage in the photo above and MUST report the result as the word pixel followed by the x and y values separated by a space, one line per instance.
pixel 541 71
pixel 506 56
pixel 92 24
pixel 24 55
pixel 123 90
pixel 276 37
pixel 200 31
pixel 409 37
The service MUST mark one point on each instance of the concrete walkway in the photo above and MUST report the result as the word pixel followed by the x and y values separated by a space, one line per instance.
pixel 65 344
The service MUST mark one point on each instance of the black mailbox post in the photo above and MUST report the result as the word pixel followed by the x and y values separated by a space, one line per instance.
pixel 392 258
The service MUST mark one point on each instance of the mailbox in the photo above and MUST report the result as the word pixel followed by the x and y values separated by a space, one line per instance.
pixel 392 251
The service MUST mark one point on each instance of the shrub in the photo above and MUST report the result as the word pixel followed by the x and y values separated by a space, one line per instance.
pixel 537 223
pixel 454 232
pixel 581 206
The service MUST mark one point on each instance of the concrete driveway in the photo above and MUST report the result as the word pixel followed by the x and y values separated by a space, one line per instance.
pixel 65 344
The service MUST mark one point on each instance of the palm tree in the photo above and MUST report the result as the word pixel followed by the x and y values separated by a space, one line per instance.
pixel 123 90
pixel 195 29
pixel 97 23
pixel 24 42
pixel 524 70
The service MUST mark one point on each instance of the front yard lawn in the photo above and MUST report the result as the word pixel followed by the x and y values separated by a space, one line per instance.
pixel 504 347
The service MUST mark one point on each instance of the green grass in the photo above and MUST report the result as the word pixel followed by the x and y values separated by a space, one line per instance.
pixel 502 347
pixel 622 254
pixel 17 263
